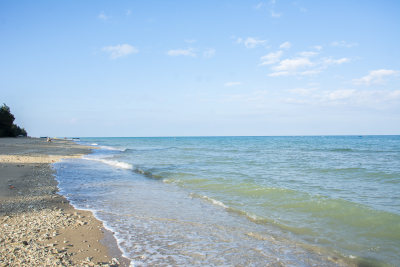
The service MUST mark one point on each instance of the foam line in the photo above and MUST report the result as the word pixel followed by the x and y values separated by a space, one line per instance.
pixel 114 163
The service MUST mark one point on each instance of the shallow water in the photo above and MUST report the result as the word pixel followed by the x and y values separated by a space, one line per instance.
pixel 295 201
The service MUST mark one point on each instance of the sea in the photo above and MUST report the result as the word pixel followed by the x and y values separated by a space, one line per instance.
pixel 243 201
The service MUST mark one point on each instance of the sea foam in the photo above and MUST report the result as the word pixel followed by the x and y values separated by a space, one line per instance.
pixel 114 163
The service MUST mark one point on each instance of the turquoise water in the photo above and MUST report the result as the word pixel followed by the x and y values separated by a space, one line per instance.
pixel 296 201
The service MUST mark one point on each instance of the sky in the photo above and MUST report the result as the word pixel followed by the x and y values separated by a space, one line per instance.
pixel 201 68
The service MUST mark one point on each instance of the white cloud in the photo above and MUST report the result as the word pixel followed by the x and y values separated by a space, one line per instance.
pixel 377 99
pixel 308 53
pixel 331 61
pixel 230 84
pixel 103 16
pixel 313 95
pixel 305 63
pixel 271 58
pixel 302 65
pixel 317 47
pixel 190 52
pixel 120 50
pixel 182 52
pixel 272 10
pixel 270 6
pixel 343 44
pixel 251 42
pixel 374 99
pixel 292 65
pixel 208 53
pixel 310 72
pixel 341 94
pixel 285 45
pixel 375 77
pixel 279 73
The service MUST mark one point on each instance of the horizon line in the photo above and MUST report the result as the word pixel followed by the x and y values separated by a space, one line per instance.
pixel 175 136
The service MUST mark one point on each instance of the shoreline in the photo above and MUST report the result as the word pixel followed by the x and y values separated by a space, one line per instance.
pixel 40 226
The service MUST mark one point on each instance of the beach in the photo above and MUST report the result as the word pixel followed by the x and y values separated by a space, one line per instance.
pixel 200 201
pixel 38 227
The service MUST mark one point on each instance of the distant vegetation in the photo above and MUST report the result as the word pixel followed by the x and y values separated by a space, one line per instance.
pixel 7 126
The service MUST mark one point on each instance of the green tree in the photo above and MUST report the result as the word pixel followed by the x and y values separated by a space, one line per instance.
pixel 7 126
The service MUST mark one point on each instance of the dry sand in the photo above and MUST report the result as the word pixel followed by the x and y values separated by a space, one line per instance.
pixel 38 227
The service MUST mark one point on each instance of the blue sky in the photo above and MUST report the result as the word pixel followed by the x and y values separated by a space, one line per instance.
pixel 179 68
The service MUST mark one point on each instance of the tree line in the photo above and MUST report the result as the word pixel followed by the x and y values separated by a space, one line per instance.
pixel 7 126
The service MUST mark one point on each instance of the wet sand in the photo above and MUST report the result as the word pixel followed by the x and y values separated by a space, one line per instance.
pixel 38 226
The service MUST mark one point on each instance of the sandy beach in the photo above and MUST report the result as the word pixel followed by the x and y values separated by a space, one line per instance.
pixel 38 227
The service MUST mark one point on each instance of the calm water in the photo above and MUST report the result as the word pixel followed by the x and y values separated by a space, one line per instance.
pixel 294 201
